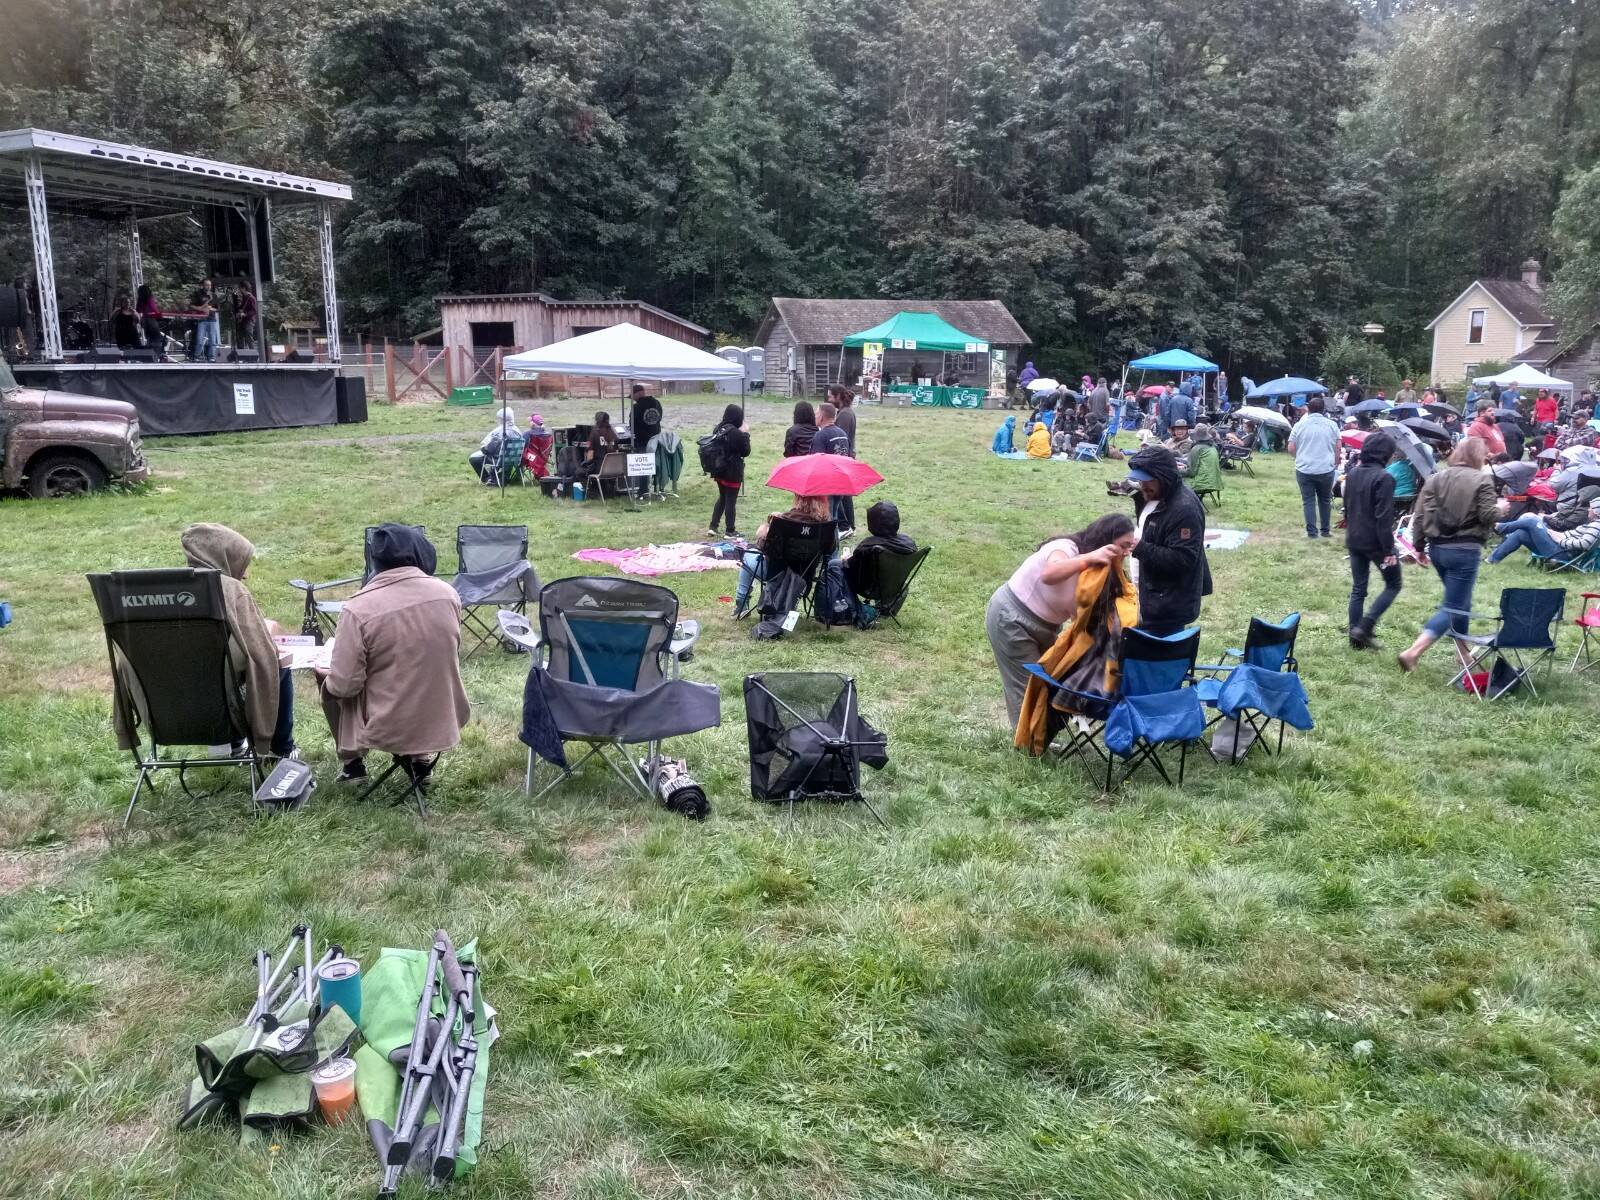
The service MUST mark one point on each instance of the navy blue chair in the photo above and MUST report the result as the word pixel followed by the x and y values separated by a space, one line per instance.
pixel 1525 638
pixel 1268 650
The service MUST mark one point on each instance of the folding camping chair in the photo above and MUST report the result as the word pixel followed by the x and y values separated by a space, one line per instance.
pixel 493 572
pixel 1588 623
pixel 321 611
pixel 1268 648
pixel 808 739
pixel 172 681
pixel 1155 689
pixel 1585 562
pixel 792 557
pixel 1525 638
pixel 1239 457
pixel 507 468
pixel 605 674
pixel 1092 451
pixel 886 580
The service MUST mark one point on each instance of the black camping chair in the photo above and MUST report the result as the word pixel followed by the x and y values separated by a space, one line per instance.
pixel 321 610
pixel 609 676
pixel 808 738
pixel 886 579
pixel 793 555
pixel 493 572
pixel 1239 456
pixel 172 681
pixel 1525 638
pixel 1268 647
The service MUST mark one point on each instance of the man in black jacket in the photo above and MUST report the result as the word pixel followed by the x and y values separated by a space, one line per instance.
pixel 1170 557
pixel 1369 535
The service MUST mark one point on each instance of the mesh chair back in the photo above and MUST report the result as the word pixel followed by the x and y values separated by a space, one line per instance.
pixel 1151 664
pixel 490 547
pixel 511 447
pixel 798 546
pixel 168 636
pixel 1528 618
pixel 801 727
pixel 366 550
pixel 607 632
pixel 1270 646
pixel 889 576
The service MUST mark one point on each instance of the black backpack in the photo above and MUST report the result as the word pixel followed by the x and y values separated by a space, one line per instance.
pixel 714 453
pixel 834 603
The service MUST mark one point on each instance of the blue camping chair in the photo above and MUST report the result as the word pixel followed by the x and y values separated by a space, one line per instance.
pixel 605 674
pixel 1154 706
pixel 1585 562
pixel 1263 686
pixel 1525 638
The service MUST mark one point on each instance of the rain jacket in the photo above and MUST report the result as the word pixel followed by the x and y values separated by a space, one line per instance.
pixel 1039 441
pixel 1028 375
pixel 1454 505
pixel 1002 443
pixel 250 646
pixel 1369 500
pixel 1204 469
pixel 1173 572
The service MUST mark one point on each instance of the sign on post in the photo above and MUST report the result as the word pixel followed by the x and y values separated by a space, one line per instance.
pixel 641 465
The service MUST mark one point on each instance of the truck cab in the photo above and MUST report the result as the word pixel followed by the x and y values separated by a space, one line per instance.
pixel 56 443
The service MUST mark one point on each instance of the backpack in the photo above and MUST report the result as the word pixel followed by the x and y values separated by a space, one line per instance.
pixel 714 454
pixel 834 603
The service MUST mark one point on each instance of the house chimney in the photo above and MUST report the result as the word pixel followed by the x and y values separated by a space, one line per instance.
pixel 1530 273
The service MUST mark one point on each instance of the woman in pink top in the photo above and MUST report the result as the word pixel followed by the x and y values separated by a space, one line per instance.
pixel 1026 613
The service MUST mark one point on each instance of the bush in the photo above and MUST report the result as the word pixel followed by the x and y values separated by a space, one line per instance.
pixel 1347 355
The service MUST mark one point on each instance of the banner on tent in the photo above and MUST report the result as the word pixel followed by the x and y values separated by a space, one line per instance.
pixel 872 372
pixel 997 372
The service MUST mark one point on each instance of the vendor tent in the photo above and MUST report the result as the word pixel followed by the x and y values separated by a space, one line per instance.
pixel 623 352
pixel 1174 360
pixel 919 331
pixel 1525 375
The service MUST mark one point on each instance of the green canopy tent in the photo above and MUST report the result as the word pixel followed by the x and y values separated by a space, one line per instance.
pixel 915 331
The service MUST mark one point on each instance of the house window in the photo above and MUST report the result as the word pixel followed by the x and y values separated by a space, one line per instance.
pixel 1475 326
pixel 964 364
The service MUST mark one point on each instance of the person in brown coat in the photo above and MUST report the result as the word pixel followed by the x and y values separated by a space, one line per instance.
pixel 394 682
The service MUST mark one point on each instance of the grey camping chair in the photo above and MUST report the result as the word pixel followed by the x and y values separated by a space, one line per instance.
pixel 322 610
pixel 173 683
pixel 605 675
pixel 493 572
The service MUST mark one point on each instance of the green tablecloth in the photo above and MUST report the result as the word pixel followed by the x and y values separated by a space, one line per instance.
pixel 940 397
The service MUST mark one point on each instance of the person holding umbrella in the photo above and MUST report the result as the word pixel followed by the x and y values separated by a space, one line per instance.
pixel 1369 492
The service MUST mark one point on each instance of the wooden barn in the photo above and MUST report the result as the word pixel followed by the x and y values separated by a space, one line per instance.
pixel 802 341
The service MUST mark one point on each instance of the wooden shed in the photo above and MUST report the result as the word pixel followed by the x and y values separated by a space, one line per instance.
pixel 802 340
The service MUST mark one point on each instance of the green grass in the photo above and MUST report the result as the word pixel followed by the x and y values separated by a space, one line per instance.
pixel 1367 969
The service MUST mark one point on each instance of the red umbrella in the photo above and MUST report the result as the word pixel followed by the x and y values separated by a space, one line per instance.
pixel 1353 438
pixel 823 475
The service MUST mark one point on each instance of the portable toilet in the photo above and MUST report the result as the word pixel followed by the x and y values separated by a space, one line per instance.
pixel 733 387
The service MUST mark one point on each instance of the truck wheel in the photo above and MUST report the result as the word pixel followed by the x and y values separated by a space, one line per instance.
pixel 52 475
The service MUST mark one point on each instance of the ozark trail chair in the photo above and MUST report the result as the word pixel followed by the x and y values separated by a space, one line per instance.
pixel 493 572
pixel 1525 638
pixel 605 674
pixel 886 580
pixel 1584 562
pixel 1154 706
pixel 792 556
pixel 808 738
pixel 1261 687
pixel 1588 623
pixel 322 611
pixel 173 683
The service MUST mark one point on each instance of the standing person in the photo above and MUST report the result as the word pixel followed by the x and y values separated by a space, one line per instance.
pixel 150 320
pixel 830 439
pixel 244 316
pixel 1026 613
pixel 1028 374
pixel 1369 491
pixel 797 440
pixel 1454 516
pixel 1314 442
pixel 1546 410
pixel 1164 411
pixel 1099 400
pixel 734 436
pixel 1486 429
pixel 1406 395
pixel 1514 436
pixel 1169 559
pixel 125 324
pixel 645 420
pixel 208 329
pixel 844 401
pixel 1353 393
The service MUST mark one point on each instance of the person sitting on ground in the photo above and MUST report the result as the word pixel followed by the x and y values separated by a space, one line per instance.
pixel 268 687
pixel 1004 442
pixel 536 451
pixel 1532 532
pixel 1203 470
pixel 394 681
pixel 1180 442
pixel 1039 441
pixel 797 441
pixel 807 510
pixel 485 460
pixel 1064 438
pixel 883 537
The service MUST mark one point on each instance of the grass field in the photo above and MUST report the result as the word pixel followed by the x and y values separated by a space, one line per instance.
pixel 1368 969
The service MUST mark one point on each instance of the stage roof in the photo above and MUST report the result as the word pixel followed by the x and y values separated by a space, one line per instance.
pixel 92 178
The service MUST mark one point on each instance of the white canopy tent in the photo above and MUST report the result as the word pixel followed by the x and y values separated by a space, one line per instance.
pixel 623 352
pixel 1525 375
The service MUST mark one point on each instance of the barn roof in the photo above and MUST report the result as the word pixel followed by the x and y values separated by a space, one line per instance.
pixel 829 322
pixel 552 302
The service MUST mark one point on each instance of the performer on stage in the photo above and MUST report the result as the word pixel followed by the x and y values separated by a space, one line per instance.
pixel 150 321
pixel 208 329
pixel 244 315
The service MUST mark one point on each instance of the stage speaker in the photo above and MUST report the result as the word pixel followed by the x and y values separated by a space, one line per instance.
pixel 105 354
pixel 142 354
pixel 350 399
pixel 237 355
pixel 13 307
pixel 297 355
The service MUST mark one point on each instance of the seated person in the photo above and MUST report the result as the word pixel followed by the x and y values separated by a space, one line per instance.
pixel 268 685
pixel 1572 505
pixel 1203 469
pixel 1180 442
pixel 883 537
pixel 486 458
pixel 536 451
pixel 125 324
pixel 394 683
pixel 753 565
pixel 1531 531
pixel 602 441
pixel 1090 430
pixel 1039 441
pixel 1405 476
pixel 1063 439
pixel 1001 444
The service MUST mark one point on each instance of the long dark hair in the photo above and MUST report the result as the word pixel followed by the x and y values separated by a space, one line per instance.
pixel 1101 531
pixel 804 414
pixel 733 415
pixel 602 420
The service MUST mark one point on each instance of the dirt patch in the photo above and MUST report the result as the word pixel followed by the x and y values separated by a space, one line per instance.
pixel 76 677
pixel 23 869
pixel 596 847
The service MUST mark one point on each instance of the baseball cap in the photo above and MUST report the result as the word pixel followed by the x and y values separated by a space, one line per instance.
pixel 1135 475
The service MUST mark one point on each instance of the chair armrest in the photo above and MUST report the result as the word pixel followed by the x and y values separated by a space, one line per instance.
pixel 1214 667
pixel 303 586
pixel 684 639
pixel 515 627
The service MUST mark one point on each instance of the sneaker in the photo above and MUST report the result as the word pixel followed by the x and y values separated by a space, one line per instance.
pixel 734 533
pixel 846 533
pixel 712 533
pixel 352 771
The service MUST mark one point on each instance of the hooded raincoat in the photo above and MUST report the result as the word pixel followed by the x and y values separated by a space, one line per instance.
pixel 1173 572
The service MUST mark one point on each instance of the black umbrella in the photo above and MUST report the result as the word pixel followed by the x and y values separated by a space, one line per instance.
pixel 1401 411
pixel 1508 414
pixel 1442 410
pixel 1367 406
pixel 1427 428
pixel 1416 453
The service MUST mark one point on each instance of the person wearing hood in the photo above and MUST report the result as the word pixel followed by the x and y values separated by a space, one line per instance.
pixel 1039 441
pixel 268 686
pixel 486 457
pixel 1169 560
pixel 394 682
pixel 797 440
pixel 536 454
pixel 1202 469
pixel 1369 494
pixel 1004 442
pixel 1028 374
pixel 883 537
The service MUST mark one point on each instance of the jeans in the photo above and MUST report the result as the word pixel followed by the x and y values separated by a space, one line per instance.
pixel 1527 530
pixel 1360 567
pixel 1316 499
pixel 752 566
pixel 283 732
pixel 842 509
pixel 208 338
pixel 1457 566
pixel 727 502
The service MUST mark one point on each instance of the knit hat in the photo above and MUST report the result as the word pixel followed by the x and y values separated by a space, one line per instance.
pixel 535 421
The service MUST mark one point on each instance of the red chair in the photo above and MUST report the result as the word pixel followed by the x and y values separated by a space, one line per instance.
pixel 1588 622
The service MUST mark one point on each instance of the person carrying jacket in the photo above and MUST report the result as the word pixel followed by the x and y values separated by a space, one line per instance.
pixel 734 435
pixel 1369 536
pixel 1169 559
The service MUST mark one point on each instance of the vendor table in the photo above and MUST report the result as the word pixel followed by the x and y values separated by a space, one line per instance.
pixel 940 397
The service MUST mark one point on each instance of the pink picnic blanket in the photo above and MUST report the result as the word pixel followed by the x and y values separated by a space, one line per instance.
pixel 671 559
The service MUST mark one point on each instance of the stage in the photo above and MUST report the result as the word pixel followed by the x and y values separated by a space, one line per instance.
pixel 203 397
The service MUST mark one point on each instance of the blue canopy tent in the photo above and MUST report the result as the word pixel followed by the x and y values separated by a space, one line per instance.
pixel 1179 361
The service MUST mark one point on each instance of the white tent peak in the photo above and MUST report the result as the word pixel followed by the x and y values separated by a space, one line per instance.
pixel 1525 375
pixel 625 351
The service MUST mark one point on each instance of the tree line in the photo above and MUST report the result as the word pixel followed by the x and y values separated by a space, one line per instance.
pixel 1251 179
